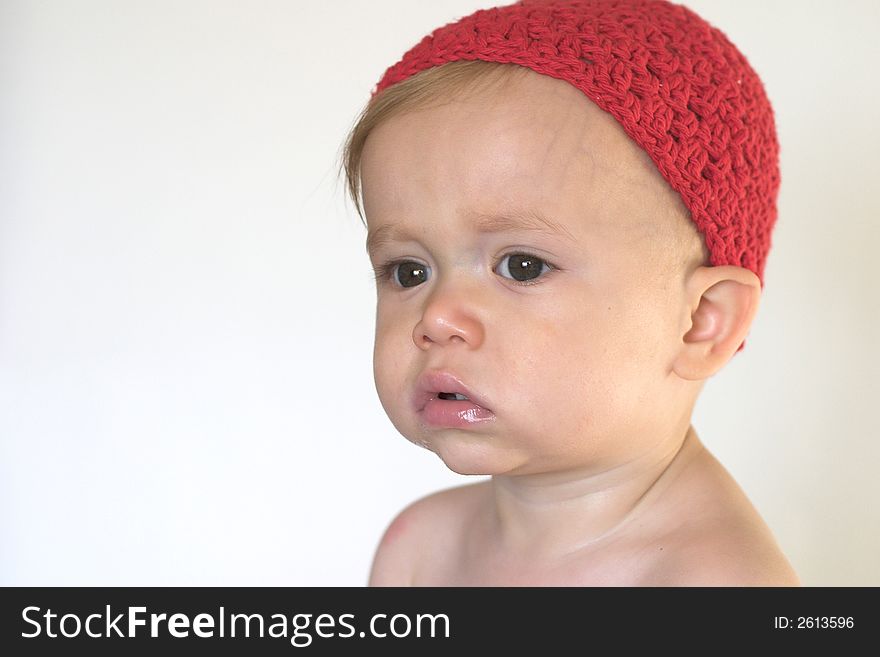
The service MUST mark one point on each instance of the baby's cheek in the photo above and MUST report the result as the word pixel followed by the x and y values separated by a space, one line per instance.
pixel 584 377
pixel 383 370
pixel 386 376
pixel 391 371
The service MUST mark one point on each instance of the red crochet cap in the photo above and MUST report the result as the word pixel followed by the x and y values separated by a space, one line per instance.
pixel 676 84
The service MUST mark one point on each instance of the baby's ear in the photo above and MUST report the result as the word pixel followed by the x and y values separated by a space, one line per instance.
pixel 721 304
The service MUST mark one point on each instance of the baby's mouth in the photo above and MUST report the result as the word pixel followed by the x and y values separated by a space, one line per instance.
pixel 447 391
pixel 454 410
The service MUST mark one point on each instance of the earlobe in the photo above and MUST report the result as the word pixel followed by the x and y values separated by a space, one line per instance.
pixel 722 303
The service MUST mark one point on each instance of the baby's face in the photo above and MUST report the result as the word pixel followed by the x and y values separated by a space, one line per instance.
pixel 567 330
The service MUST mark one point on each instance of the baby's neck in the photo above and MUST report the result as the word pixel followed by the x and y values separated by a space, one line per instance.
pixel 550 516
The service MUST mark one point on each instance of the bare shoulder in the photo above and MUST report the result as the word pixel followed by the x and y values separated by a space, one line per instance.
pixel 423 526
pixel 736 555
pixel 719 537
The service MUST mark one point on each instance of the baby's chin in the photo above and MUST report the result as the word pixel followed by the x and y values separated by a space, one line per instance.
pixel 472 455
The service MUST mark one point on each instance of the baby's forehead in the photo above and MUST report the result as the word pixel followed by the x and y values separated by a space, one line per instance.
pixel 533 133
pixel 530 145
pixel 558 117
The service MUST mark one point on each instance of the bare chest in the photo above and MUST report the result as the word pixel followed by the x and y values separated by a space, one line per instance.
pixel 611 567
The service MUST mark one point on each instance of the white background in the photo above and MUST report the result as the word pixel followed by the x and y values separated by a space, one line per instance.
pixel 187 313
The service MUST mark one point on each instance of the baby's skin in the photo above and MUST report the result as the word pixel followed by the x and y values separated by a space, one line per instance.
pixel 529 251
pixel 692 527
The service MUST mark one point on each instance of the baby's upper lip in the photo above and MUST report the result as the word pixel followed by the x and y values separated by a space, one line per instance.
pixel 432 382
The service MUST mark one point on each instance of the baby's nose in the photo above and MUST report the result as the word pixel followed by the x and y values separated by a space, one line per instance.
pixel 446 321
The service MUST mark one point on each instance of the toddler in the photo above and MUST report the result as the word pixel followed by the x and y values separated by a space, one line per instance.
pixel 569 205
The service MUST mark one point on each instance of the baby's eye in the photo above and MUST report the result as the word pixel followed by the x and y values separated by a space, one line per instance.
pixel 523 268
pixel 405 273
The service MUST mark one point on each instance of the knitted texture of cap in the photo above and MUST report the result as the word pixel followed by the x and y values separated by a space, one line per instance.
pixel 680 89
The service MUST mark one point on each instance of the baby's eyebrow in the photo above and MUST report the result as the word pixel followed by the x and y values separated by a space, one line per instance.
pixel 482 222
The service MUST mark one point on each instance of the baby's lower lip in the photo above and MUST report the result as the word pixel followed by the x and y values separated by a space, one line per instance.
pixel 455 414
